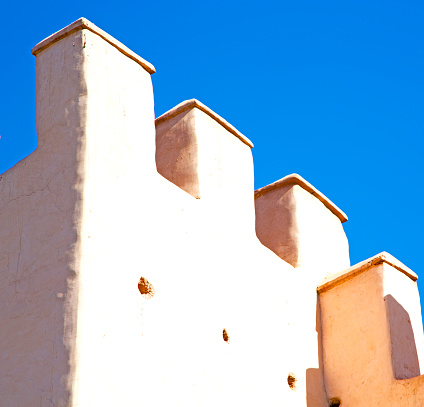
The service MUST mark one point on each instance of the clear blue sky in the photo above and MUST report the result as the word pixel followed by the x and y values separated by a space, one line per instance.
pixel 332 90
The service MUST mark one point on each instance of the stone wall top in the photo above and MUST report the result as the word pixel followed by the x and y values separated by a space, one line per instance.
pixel 192 103
pixel 296 179
pixel 83 23
pixel 335 279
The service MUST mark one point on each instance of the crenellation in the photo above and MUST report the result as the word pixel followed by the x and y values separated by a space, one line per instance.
pixel 138 266
pixel 381 340
pixel 82 24
pixel 302 226
pixel 345 275
pixel 193 103
pixel 295 179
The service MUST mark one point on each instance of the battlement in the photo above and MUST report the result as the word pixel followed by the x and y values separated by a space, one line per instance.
pixel 338 278
pixel 189 104
pixel 295 179
pixel 84 24
pixel 372 332
pixel 138 264
pixel 301 225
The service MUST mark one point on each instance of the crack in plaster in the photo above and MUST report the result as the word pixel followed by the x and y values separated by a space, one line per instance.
pixel 38 190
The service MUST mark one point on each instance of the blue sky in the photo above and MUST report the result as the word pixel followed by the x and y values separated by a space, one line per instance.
pixel 332 90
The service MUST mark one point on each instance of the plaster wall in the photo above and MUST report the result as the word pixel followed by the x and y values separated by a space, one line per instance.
pixel 203 158
pixel 86 215
pixel 300 229
pixel 406 329
pixel 177 152
pixel 372 336
pixel 119 133
pixel 224 173
pixel 95 210
pixel 356 349
pixel 40 218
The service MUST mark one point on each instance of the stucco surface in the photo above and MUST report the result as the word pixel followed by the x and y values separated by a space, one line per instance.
pixel 301 229
pixel 381 340
pixel 40 217
pixel 87 215
pixel 177 152
pixel 126 251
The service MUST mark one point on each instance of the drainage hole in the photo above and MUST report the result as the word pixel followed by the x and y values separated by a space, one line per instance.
pixel 334 402
pixel 291 381
pixel 145 288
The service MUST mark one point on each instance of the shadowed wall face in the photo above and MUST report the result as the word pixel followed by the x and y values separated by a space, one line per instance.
pixel 40 218
pixel 300 229
pixel 177 152
pixel 404 350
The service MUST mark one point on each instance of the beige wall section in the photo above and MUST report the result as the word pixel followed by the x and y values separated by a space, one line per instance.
pixel 356 340
pixel 205 156
pixel 40 218
pixel 95 125
pixel 269 312
pixel 301 226
pixel 87 215
pixel 372 332
pixel 119 173
pixel 177 155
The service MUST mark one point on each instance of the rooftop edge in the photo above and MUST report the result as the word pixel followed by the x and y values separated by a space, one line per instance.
pixel 336 279
pixel 296 179
pixel 192 103
pixel 83 23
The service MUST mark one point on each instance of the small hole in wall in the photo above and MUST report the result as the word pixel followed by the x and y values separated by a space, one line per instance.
pixel 225 335
pixel 145 288
pixel 334 402
pixel 291 381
